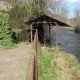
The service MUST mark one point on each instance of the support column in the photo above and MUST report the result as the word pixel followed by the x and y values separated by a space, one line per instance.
pixel 31 32
pixel 49 31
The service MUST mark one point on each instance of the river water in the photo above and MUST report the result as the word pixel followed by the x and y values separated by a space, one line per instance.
pixel 69 41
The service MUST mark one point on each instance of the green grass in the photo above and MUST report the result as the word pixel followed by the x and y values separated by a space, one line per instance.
pixel 9 46
pixel 73 25
pixel 68 68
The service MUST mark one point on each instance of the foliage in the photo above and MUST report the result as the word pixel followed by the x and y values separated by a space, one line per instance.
pixel 20 35
pixel 67 67
pixel 76 19
pixel 73 26
pixel 18 15
pixel 32 12
pixel 5 31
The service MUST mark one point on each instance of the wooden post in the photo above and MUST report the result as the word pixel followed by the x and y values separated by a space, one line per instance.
pixel 31 32
pixel 49 32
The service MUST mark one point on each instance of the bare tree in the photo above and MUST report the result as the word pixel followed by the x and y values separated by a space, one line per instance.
pixel 77 17
pixel 58 8
pixel 40 5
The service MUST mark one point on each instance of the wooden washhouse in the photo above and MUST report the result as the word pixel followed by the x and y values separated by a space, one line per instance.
pixel 43 25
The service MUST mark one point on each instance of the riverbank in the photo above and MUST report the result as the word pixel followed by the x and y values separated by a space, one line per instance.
pixel 59 65
pixel 67 28
pixel 68 41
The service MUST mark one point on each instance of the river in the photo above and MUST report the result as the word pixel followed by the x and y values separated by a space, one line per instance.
pixel 69 41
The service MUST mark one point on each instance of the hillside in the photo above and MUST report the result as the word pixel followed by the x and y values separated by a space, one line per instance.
pixel 5 6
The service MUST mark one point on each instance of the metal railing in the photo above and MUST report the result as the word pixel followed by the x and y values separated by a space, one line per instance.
pixel 38 67
pixel 36 54
pixel 35 67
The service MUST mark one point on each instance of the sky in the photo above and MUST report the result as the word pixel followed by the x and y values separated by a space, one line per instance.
pixel 72 4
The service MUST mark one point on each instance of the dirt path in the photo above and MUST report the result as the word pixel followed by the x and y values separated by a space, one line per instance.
pixel 14 62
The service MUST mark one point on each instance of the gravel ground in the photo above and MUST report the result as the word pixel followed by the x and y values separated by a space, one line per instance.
pixel 14 63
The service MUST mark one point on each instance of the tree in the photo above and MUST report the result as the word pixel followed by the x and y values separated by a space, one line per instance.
pixel 76 19
pixel 41 4
pixel 58 7
pixel 35 8
pixel 5 31
pixel 18 15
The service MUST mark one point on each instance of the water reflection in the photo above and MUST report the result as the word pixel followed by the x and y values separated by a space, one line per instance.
pixel 69 41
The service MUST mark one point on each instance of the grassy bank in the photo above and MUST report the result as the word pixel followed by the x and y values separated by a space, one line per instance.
pixel 59 66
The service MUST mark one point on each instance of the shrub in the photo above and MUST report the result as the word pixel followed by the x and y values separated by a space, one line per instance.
pixel 5 31
pixel 20 35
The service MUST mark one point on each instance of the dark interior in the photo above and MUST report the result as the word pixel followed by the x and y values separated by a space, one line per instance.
pixel 40 33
